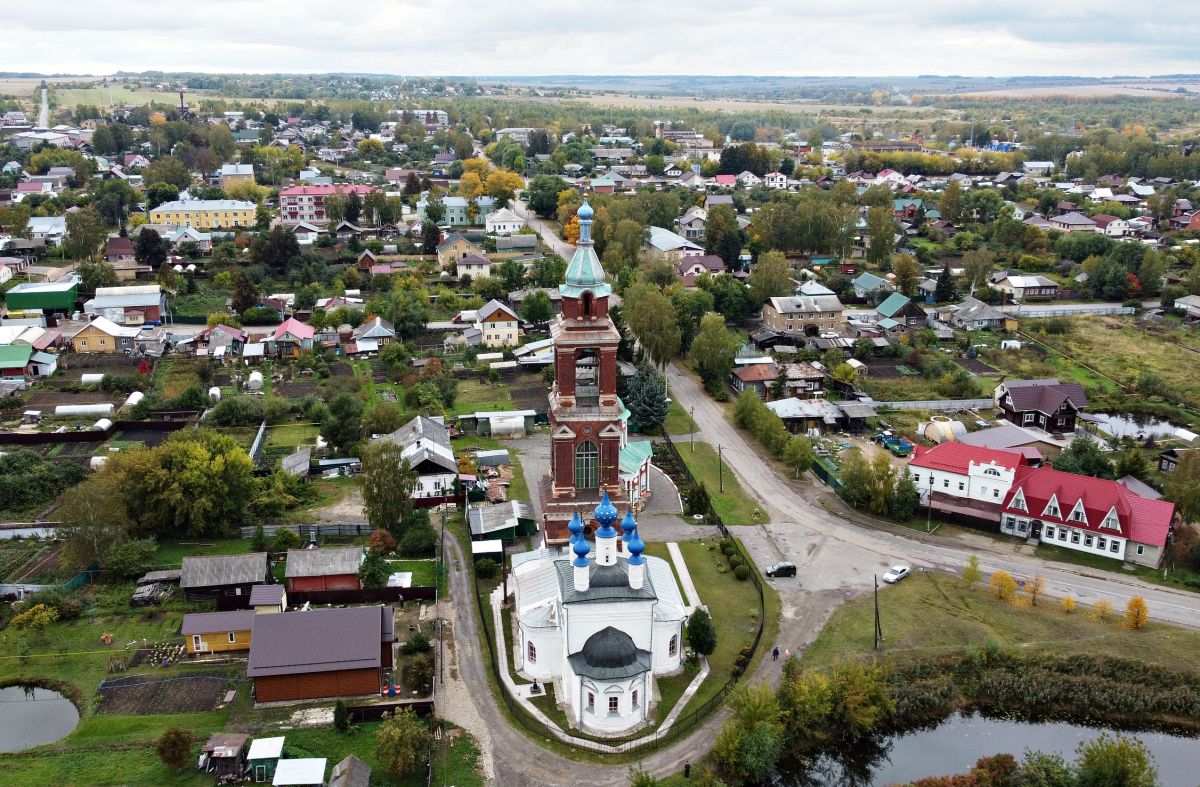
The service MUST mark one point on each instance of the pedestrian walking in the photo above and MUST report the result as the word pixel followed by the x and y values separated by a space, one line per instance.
pixel 775 654
pixel 687 769
pixel 787 654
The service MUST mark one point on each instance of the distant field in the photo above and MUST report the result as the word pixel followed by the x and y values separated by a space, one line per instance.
pixel 100 96
pixel 1150 90
pixel 25 87
pixel 619 100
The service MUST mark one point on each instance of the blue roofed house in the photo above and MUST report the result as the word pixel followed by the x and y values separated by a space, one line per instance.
pixel 903 310
pixel 868 285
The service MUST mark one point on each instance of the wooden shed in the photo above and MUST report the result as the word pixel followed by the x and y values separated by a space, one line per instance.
pixel 225 575
pixel 217 632
pixel 324 569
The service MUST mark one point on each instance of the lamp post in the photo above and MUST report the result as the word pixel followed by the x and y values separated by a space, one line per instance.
pixel 692 436
pixel 929 506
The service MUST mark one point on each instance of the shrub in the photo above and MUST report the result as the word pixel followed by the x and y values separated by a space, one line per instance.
pixel 382 541
pixel 68 606
pixel 1068 604
pixel 486 568
pixel 284 540
pixel 418 541
pixel 341 716
pixel 735 560
pixel 36 618
pixel 1136 613
pixel 742 572
pixel 728 547
pixel 420 673
pixel 131 558
pixel 174 747
pixel 417 643
pixel 701 633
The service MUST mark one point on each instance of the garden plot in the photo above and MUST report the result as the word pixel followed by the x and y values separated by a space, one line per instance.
pixel 162 693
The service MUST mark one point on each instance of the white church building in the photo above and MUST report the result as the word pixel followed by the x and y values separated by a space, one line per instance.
pixel 599 628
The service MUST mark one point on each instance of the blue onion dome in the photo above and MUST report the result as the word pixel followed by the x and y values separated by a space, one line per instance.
pixel 636 546
pixel 576 527
pixel 585 211
pixel 581 549
pixel 628 524
pixel 606 513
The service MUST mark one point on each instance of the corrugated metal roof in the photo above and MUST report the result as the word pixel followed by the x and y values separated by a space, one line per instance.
pixel 319 640
pixel 327 562
pixel 206 572
pixel 210 622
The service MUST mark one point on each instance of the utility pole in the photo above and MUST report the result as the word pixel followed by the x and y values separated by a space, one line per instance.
pixel 720 470
pixel 878 627
pixel 692 436
pixel 929 506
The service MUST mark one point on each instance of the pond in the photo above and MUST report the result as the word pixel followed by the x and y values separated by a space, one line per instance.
pixel 31 717
pixel 954 745
pixel 1130 425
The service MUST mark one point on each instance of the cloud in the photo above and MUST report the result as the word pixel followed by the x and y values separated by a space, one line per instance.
pixel 417 37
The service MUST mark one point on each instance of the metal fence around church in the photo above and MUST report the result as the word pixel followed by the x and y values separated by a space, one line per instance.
pixel 685 723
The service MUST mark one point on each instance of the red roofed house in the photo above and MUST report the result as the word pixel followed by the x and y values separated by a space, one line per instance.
pixel 725 180
pixel 1087 514
pixel 754 376
pixel 965 480
pixel 293 337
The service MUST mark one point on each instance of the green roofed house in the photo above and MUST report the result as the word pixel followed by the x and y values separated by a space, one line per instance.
pixel 902 309
pixel 635 469
pixel 868 284
pixel 49 296
pixel 14 361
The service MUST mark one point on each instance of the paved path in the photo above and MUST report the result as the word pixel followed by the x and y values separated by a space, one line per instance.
pixel 685 576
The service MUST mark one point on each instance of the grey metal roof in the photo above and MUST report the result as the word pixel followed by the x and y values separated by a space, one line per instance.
pixel 420 427
pixel 266 595
pixel 488 519
pixel 610 654
pixel 806 303
pixel 319 640
pixel 209 622
pixel 327 562
pixel 605 583
pixel 207 572
pixel 350 772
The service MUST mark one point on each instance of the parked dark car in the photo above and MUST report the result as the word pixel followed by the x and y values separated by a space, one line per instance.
pixel 784 569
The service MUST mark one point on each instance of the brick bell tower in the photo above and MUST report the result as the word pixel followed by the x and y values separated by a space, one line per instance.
pixel 586 425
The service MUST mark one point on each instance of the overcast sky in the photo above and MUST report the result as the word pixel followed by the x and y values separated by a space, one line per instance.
pixel 784 37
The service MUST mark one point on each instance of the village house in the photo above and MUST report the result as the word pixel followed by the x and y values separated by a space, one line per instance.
pixel 233 174
pixel 807 416
pixel 869 286
pixel 214 338
pixel 102 335
pixel 975 315
pixel 217 632
pixel 903 310
pixel 50 229
pixel 805 315
pixel 455 247
pixel 292 337
pixel 504 222
pixel 664 244
pixel 377 329
pixel 499 324
pixel 1043 404
pixel 330 568
pixel 307 203
pixel 1027 288
pixel 964 480
pixel 755 377
pixel 1091 515
pixel 425 445
pixel 204 578
pixel 1073 221
pixel 691 224
pixel 206 214
pixel 119 249
pixel 775 180
pixel 320 653
pixel 474 265
pixel 268 599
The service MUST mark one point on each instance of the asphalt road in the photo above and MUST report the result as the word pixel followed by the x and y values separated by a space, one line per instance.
pixel 556 244
pixel 838 555
pixel 44 112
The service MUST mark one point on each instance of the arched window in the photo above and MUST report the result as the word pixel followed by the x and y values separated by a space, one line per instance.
pixel 530 653
pixel 673 645
pixel 587 465
pixel 587 304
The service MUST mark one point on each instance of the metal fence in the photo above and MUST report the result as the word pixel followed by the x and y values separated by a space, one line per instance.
pixel 259 439
pixel 936 404
pixel 311 531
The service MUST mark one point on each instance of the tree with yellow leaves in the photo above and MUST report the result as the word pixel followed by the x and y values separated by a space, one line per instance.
pixel 479 167
pixel 470 186
pixel 503 185
pixel 1035 586
pixel 1101 610
pixel 1004 584
pixel 972 573
pixel 1136 613
pixel 1068 604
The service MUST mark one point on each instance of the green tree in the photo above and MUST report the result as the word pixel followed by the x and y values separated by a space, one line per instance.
pixel 512 273
pixel 1183 487
pixel 882 486
pixel 1117 761
pixel 972 573
pixel 93 275
pixel 86 233
pixel 174 747
pixel 945 290
pixel 951 203
pixel 690 308
pixel 722 235
pixel 906 500
pixel 881 234
pixel 277 249
pixel 647 398
pixel 387 485
pixel 130 559
pixel 543 193
pixel 908 273
pixel 770 277
pixel 701 634
pixel 977 265
pixel 732 298
pixel 536 308
pixel 374 571
pixel 158 193
pixel 167 169
pixel 284 540
pixel 650 316
pixel 1085 457
pixel 751 740
pixel 401 744
pixel 341 716
pixel 258 541
pixel 799 454
pixel 860 697
pixel 855 476
pixel 713 350
pixel 245 293
pixel 342 426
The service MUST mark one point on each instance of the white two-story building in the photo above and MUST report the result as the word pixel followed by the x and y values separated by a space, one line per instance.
pixel 965 480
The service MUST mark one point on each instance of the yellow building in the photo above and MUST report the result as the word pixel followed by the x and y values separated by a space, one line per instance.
pixel 217 632
pixel 102 335
pixel 206 214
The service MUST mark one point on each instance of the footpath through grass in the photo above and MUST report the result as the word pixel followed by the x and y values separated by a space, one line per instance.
pixel 734 505
pixel 932 613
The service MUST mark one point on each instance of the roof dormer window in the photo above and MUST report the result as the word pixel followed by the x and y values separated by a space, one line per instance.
pixel 1052 508
pixel 1018 501
pixel 1111 520
pixel 1077 513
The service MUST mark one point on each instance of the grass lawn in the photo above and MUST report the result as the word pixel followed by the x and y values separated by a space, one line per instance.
pixel 424 572
pixel 134 764
pixel 932 613
pixel 478 395
pixel 200 304
pixel 678 420
pixel 292 435
pixel 734 609
pixel 734 506
pixel 172 553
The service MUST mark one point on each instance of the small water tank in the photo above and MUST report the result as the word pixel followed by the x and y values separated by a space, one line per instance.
pixel 91 378
pixel 942 429
pixel 255 383
pixel 177 268
pixel 133 399
pixel 97 462
pixel 191 268
pixel 103 425
pixel 214 394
